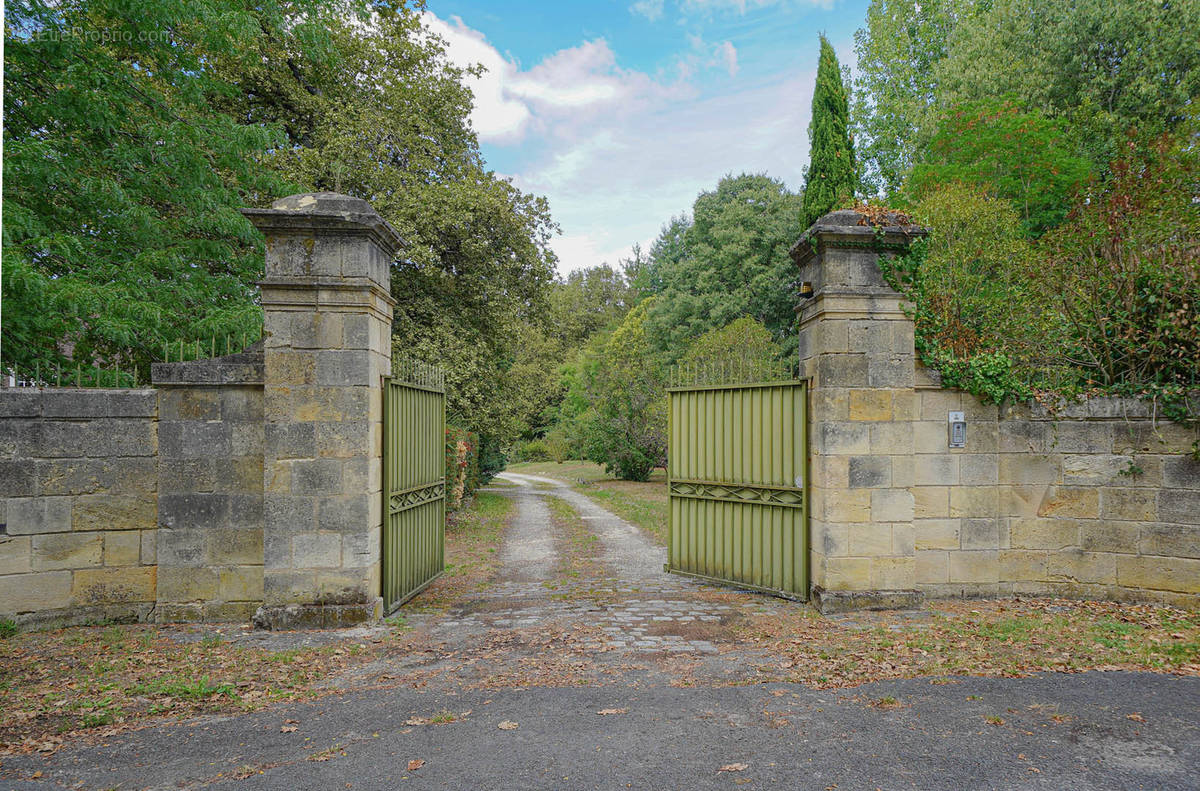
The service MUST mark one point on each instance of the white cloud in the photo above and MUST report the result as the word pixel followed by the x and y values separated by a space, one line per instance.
pixel 617 152
pixel 651 9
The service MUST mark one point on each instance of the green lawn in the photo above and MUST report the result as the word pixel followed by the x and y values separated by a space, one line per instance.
pixel 642 503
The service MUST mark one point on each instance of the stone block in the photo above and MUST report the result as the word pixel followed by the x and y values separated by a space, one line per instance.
pixel 936 534
pixel 317 476
pixel 133 403
pixel 981 533
pixel 188 584
pixel 123 437
pixel 149 547
pixel 893 573
pixel 122 548
pixel 20 403
pixel 242 404
pixel 1023 501
pixel 829 403
pixel 341 440
pixel 930 438
pixel 232 547
pixel 931 502
pixel 132 475
pixel 1181 575
pixel 869 471
pixel 978 469
pixel 36 515
pixel 1170 540
pixel 1095 469
pixel 977 412
pixel 1022 436
pixel 1026 468
pixel 903 337
pixel 848 505
pixel 317 550
pixel 242 583
pixel 1179 505
pixel 16 555
pixel 870 540
pixel 59 439
pixel 891 505
pixel 932 566
pixel 289 586
pixel 291 440
pixel 183 439
pixel 106 586
pixel 114 512
pixel 1054 534
pixel 1105 536
pixel 45 590
pixel 182 548
pixel 1071 501
pixel 1081 437
pixel 1138 505
pixel 316 404
pixel 361 549
pixel 186 476
pixel 1159 437
pixel 904 405
pixel 343 368
pixel 867 335
pixel 842 370
pixel 1022 565
pixel 974 567
pixel 344 514
pixel 1182 472
pixel 891 439
pixel 356 332
pixel 902 472
pixel 972 501
pixel 904 537
pixel 188 403
pixel 870 405
pixel 245 511
pixel 193 511
pixel 837 438
pixel 893 371
pixel 18 479
pixel 1075 565
pixel 848 574
pixel 935 470
pixel 936 405
pixel 74 404
pixel 290 368
pixel 830 472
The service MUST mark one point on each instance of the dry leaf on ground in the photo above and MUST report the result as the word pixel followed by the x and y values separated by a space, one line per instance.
pixel 734 768
pixel 508 725
pixel 415 764
pixel 604 712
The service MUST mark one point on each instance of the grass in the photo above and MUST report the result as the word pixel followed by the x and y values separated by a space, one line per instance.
pixel 645 504
pixel 474 536
pixel 8 628
pixel 581 558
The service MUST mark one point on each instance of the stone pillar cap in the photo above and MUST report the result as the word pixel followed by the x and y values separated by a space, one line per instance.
pixel 326 211
pixel 853 228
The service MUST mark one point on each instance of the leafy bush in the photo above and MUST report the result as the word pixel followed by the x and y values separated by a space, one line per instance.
pixel 462 465
pixel 534 450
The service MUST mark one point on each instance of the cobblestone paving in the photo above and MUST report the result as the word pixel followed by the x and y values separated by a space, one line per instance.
pixel 638 608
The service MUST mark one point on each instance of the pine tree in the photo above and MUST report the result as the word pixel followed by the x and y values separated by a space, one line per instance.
pixel 830 177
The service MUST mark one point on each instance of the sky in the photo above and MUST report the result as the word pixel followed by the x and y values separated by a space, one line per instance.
pixel 621 113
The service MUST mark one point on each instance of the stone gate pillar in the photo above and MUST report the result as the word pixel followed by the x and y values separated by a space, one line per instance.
pixel 327 327
pixel 856 348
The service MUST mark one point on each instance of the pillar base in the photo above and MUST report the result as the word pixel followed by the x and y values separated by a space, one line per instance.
pixel 285 617
pixel 827 601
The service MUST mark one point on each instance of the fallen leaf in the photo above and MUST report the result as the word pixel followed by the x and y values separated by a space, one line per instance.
pixel 417 721
pixel 734 768
pixel 415 764
pixel 508 725
pixel 1135 717
pixel 288 729
pixel 603 712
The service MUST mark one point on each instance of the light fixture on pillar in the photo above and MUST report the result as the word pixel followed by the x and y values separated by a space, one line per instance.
pixel 806 290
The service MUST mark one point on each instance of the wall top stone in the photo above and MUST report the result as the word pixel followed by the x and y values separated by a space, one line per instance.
pixel 852 228
pixel 326 211
pixel 243 368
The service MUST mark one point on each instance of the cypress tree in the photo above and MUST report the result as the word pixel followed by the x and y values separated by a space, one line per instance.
pixel 830 178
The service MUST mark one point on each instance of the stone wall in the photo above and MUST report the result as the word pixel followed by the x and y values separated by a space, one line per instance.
pixel 1097 499
pixel 210 504
pixel 1094 500
pixel 78 488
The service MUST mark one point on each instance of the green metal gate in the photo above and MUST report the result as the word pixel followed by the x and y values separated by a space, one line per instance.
pixel 414 483
pixel 737 475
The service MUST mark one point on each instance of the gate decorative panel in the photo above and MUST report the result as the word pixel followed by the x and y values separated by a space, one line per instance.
pixel 414 502
pixel 737 476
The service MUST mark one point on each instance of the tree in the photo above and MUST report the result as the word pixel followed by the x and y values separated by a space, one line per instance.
pixel 122 183
pixel 1022 157
pixel 587 301
pixel 388 122
pixel 735 264
pixel 897 50
pixel 625 428
pixel 741 351
pixel 645 273
pixel 830 178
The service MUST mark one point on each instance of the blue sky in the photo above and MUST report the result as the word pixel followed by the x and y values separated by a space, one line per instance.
pixel 620 113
